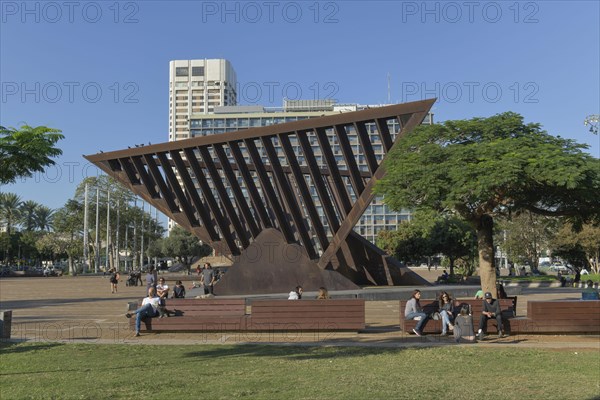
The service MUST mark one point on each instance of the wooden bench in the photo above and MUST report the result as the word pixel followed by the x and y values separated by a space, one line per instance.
pixel 198 315
pixel 433 326
pixel 266 315
pixel 564 316
pixel 308 315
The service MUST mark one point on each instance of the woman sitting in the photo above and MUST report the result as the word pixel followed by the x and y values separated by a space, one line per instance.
pixel 445 310
pixel 463 326
pixel 323 294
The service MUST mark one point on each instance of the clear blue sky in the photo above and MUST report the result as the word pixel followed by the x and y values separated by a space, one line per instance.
pixel 538 58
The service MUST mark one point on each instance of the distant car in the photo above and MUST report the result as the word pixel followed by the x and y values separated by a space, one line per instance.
pixel 52 271
pixel 559 268
pixel 177 268
pixel 163 266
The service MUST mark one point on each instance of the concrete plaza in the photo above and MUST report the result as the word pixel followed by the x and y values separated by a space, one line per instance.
pixel 83 310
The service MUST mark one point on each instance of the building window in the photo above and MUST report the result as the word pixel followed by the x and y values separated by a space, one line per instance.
pixel 197 71
pixel 181 71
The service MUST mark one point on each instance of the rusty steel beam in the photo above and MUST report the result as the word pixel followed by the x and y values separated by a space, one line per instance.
pixel 225 200
pixel 288 197
pixel 304 191
pixel 370 114
pixel 238 195
pixel 365 197
pixel 259 205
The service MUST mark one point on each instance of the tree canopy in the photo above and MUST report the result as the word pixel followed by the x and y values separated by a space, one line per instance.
pixel 580 247
pixel 483 168
pixel 427 235
pixel 26 150
pixel 183 245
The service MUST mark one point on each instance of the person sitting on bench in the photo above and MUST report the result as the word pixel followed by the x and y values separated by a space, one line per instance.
pixel 444 277
pixel 149 309
pixel 414 311
pixel 491 309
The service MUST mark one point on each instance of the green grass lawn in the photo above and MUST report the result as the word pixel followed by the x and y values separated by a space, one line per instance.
pixel 93 371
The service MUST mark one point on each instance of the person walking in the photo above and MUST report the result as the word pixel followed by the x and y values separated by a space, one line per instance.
pixel 150 279
pixel 208 279
pixel 114 280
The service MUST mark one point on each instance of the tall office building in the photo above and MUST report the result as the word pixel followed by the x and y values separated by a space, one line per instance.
pixel 197 87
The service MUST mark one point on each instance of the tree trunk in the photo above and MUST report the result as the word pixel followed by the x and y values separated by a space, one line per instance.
pixel 451 265
pixel 485 247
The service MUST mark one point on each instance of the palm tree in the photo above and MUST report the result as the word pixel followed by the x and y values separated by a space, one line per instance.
pixel 9 210
pixel 29 210
pixel 44 218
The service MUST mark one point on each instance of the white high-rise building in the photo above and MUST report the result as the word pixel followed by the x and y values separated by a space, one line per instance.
pixel 197 87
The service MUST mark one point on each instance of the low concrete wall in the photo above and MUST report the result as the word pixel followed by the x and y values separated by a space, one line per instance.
pixel 527 284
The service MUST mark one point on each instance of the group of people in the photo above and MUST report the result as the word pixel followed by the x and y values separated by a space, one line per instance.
pixel 296 294
pixel 455 316
pixel 155 304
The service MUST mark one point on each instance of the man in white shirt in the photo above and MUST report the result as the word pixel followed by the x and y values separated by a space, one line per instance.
pixel 148 309
pixel 296 294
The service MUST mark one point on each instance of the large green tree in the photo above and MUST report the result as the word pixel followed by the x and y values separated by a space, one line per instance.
pixel 427 235
pixel 525 236
pixel 453 238
pixel 26 150
pixel 581 247
pixel 68 235
pixel 184 246
pixel 483 168
pixel 408 243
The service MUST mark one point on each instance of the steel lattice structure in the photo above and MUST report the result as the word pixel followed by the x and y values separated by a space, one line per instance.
pixel 229 189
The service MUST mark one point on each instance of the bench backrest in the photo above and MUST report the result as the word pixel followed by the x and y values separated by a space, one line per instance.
pixel 568 310
pixel 207 307
pixel 334 313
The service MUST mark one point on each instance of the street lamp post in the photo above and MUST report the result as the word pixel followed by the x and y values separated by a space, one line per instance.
pixel 592 121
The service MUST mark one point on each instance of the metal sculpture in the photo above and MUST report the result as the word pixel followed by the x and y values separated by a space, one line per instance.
pixel 261 194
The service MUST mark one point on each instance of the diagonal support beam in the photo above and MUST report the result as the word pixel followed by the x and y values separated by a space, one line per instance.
pixel 364 199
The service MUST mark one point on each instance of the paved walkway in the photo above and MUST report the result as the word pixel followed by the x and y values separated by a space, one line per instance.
pixel 82 309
